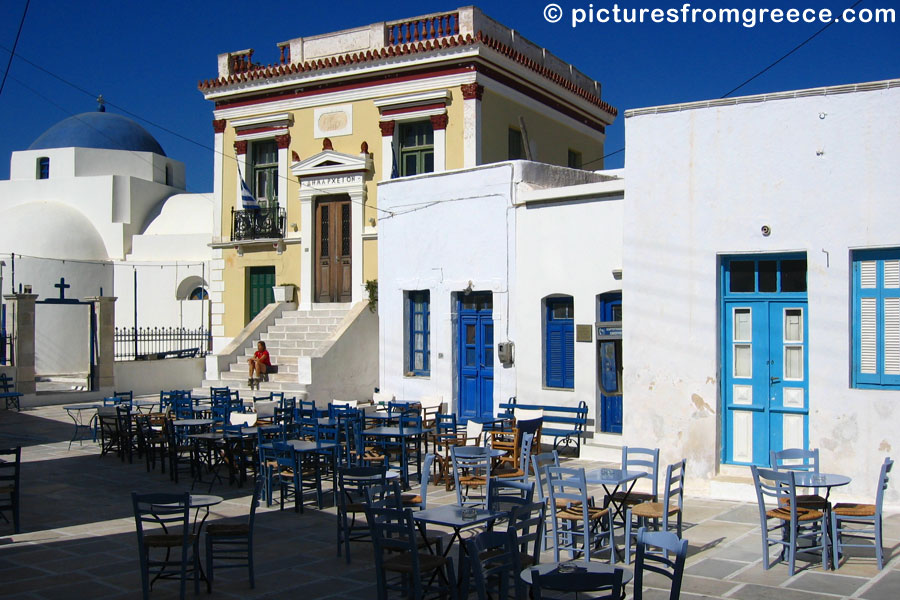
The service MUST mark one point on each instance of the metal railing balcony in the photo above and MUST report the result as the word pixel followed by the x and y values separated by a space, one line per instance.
pixel 257 224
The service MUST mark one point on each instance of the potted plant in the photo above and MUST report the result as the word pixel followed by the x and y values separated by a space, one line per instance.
pixel 284 292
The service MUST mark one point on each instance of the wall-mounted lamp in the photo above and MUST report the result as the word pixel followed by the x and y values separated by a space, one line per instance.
pixel 372 221
pixel 294 226
pixel 468 289
pixel 279 246
pixel 240 250
pixel 617 274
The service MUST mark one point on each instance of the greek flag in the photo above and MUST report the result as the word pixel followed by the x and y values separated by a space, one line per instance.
pixel 395 170
pixel 248 201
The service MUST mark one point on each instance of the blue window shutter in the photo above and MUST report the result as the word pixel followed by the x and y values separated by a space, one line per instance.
pixel 418 328
pixel 876 319
pixel 560 345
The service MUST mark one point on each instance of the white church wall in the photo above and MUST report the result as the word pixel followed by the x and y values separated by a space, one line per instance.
pixel 159 304
pixel 23 164
pixel 701 184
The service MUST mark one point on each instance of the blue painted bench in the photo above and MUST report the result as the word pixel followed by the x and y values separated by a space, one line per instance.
pixel 566 423
pixel 8 393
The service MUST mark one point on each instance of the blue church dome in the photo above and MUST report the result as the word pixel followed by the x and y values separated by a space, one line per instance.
pixel 102 130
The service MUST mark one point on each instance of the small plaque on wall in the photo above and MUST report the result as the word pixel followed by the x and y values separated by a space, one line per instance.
pixel 584 333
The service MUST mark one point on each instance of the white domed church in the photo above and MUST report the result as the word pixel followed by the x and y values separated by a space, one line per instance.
pixel 95 207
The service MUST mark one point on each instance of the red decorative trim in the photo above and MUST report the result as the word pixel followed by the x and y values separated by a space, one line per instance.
pixel 387 128
pixel 294 156
pixel 256 72
pixel 261 130
pixel 364 148
pixel 327 145
pixel 283 141
pixel 240 147
pixel 439 121
pixel 413 109
pixel 219 125
pixel 472 91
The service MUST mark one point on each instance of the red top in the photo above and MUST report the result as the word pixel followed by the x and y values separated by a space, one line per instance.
pixel 263 355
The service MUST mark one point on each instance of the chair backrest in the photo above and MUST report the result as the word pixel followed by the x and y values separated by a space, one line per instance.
pixel 215 392
pixel 579 581
pixel 658 561
pixel 124 396
pixel 674 492
pixel 254 501
pixel 265 409
pixel 184 406
pixel 525 451
pixel 6 383
pixel 432 403
pixel 795 459
pixel 538 462
pixel 569 486
pixel 508 494
pixel 163 511
pixel 10 467
pixel 493 561
pixel 384 496
pixel 771 487
pixel 883 480
pixel 243 419
pixel 393 531
pixel 528 521
pixel 473 432
pixel 645 460
pixel 425 478
pixel 474 462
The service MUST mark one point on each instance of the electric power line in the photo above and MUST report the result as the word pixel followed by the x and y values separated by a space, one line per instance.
pixel 16 43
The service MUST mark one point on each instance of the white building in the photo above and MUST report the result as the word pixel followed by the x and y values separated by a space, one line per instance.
pixel 472 258
pixel 762 276
pixel 95 201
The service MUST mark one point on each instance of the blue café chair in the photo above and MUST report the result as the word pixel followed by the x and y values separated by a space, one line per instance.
pixel 471 468
pixel 658 561
pixel 231 544
pixel 668 511
pixel 799 459
pixel 575 516
pixel 853 520
pixel 492 558
pixel 793 522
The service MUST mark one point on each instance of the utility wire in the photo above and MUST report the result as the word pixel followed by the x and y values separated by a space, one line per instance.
pixel 797 47
pixel 152 123
pixel 16 43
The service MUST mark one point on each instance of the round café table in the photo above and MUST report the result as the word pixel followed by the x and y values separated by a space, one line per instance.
pixel 579 566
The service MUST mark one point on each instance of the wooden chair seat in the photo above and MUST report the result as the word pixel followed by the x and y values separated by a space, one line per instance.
pixel 652 510
pixel 411 499
pixel 854 510
pixel 402 563
pixel 167 540
pixel 506 472
pixel 471 480
pixel 227 529
pixel 803 514
pixel 632 498
pixel 575 513
pixel 813 501
pixel 564 504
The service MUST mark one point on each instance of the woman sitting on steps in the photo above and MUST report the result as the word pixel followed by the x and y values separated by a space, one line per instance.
pixel 259 363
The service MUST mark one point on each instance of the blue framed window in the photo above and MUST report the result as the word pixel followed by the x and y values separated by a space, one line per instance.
pixel 559 343
pixel 419 334
pixel 876 319
pixel 43 167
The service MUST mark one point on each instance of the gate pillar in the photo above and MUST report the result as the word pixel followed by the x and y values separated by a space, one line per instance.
pixel 22 307
pixel 105 328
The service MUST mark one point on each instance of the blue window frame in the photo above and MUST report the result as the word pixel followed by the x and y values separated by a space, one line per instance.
pixel 876 319
pixel 419 326
pixel 43 167
pixel 559 343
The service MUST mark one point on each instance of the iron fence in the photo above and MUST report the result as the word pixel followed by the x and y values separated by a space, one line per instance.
pixel 257 224
pixel 148 343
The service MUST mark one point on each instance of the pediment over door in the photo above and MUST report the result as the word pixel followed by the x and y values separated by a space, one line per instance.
pixel 329 162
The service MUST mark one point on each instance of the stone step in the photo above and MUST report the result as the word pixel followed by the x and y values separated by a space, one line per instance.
pixel 282 336
pixel 300 321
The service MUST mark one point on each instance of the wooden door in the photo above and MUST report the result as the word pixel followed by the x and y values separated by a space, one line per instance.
pixel 259 289
pixel 475 345
pixel 333 257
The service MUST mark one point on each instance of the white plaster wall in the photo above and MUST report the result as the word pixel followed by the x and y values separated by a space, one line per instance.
pixel 564 247
pixel 150 376
pixel 158 305
pixel 459 228
pixel 62 339
pixel 820 172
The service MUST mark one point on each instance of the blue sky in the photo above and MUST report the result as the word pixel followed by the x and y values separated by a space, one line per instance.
pixel 148 57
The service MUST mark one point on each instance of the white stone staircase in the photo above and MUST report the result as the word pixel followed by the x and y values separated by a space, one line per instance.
pixel 294 334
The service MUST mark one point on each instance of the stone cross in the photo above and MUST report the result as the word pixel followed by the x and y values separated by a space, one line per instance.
pixel 63 286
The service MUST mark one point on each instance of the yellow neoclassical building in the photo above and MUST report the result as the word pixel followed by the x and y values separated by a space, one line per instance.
pixel 313 133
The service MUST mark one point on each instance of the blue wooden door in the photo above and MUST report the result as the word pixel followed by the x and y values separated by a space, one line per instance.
pixel 475 343
pixel 609 363
pixel 765 360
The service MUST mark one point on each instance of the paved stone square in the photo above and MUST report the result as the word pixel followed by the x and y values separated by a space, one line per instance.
pixel 79 541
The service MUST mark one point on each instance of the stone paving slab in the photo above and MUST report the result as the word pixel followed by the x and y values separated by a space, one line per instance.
pixel 79 539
